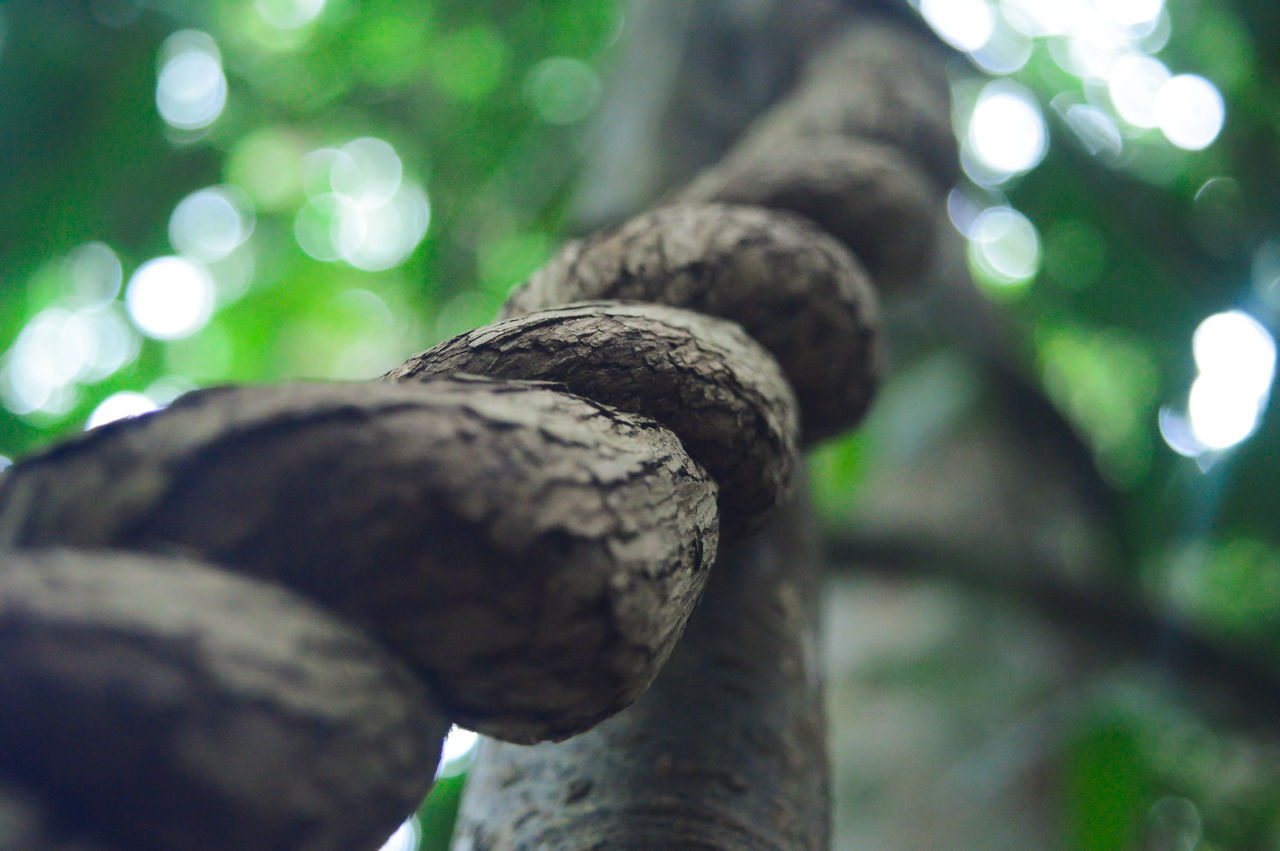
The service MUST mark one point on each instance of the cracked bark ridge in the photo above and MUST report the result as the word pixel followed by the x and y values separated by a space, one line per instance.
pixel 159 703
pixel 880 82
pixel 866 194
pixel 795 289
pixel 534 554
pixel 725 751
pixel 722 394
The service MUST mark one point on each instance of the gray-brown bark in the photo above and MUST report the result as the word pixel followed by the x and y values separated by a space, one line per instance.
pixel 161 703
pixel 534 554
pixel 866 194
pixel 725 751
pixel 863 147
pixel 879 81
pixel 794 289
pixel 690 78
pixel 722 395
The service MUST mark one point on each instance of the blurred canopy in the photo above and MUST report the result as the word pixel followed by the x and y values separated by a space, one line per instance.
pixel 258 190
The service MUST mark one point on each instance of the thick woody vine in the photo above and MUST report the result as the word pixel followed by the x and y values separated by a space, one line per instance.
pixel 247 621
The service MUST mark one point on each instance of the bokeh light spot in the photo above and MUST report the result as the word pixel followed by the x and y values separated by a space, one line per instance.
pixel 1006 51
pixel 1094 42
pixel 562 90
pixel 51 352
pixel 1220 417
pixel 366 173
pixel 170 297
pixel 165 389
pixel 373 238
pixel 1133 13
pixel 59 348
pixel 211 223
pixel 405 838
pixel 117 406
pixel 95 276
pixel 289 14
pixel 459 746
pixel 964 24
pixel 114 342
pixel 1095 130
pixel 314 227
pixel 1236 358
pixel 1133 84
pixel 191 90
pixel 1003 247
pixel 360 210
pixel 1189 111
pixel 1007 132
pixel 1040 17
pixel 1234 348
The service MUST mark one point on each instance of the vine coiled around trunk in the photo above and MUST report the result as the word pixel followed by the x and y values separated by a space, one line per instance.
pixel 247 620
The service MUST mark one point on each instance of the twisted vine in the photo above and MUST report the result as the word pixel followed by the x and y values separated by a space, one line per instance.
pixel 247 620
pixel 726 750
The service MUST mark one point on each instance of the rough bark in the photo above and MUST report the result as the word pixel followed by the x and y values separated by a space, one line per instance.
pixel 534 554
pixel 725 751
pixel 701 377
pixel 867 195
pixel 863 148
pixel 793 288
pixel 880 81
pixel 160 703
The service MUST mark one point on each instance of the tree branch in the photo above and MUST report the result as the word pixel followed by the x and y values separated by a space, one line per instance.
pixel 1115 620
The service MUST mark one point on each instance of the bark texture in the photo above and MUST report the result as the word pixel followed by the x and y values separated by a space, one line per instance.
pixel 864 149
pixel 690 79
pixel 534 554
pixel 793 288
pixel 528 553
pixel 160 703
pixel 879 81
pixel 725 751
pixel 866 194
pixel 701 377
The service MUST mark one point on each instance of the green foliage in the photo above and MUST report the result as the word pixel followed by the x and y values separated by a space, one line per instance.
pixel 438 812
pixel 1135 242
pixel 90 161
pixel 1106 788
pixel 447 85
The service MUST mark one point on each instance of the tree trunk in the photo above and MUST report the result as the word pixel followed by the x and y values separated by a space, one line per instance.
pixel 725 751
